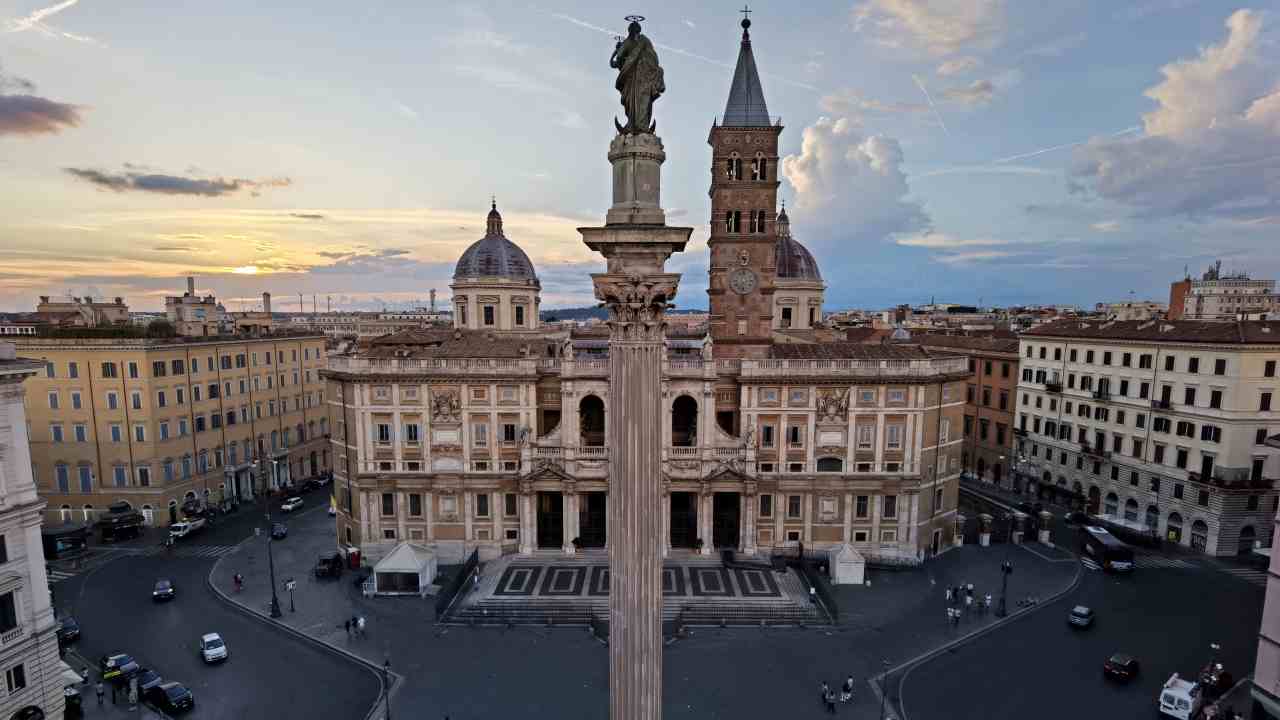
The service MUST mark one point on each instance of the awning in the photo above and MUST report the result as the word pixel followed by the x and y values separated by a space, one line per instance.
pixel 68 674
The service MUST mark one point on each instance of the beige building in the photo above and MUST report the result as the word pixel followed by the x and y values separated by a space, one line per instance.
pixel 193 315
pixel 797 302
pixel 156 422
pixel 81 312
pixel 1160 425
pixel 33 674
pixel 494 285
pixel 1222 296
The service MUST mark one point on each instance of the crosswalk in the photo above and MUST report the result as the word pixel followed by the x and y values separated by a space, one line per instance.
pixel 60 575
pixel 1159 561
pixel 188 551
pixel 1250 575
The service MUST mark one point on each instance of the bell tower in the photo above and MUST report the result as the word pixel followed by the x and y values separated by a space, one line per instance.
pixel 744 194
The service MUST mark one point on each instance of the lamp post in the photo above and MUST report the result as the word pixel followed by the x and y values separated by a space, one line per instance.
pixel 1006 569
pixel 271 563
pixel 885 694
pixel 386 684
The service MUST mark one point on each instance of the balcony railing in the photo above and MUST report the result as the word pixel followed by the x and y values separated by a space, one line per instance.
pixel 593 452
pixel 1101 394
pixel 469 366
pixel 855 368
pixel 11 635
pixel 1019 432
pixel 1160 404
pixel 1053 386
pixel 683 452
pixel 1088 449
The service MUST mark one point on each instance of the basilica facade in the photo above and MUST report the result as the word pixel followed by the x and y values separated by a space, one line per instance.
pixel 490 435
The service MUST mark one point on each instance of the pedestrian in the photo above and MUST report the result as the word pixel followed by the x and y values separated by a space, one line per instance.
pixel 353 623
pixel 846 692
pixel 822 694
pixel 347 626
pixel 948 594
pixel 988 602
pixel 830 700
pixel 360 625
pixel 113 693
pixel 968 603
pixel 101 691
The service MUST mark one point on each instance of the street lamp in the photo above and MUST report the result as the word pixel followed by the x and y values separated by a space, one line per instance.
pixel 885 687
pixel 1006 569
pixel 386 673
pixel 271 563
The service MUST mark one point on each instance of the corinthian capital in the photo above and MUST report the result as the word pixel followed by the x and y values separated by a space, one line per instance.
pixel 637 304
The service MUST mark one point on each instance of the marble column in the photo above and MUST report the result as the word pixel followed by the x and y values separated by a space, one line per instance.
pixel 636 290
pixel 570 521
pixel 526 523
pixel 666 523
pixel 705 521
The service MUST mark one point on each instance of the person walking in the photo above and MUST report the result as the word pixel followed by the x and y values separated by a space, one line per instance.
pixel 347 626
pixel 360 625
pixel 846 691
pixel 830 699
pixel 101 691
pixel 968 603
pixel 822 694
pixel 948 594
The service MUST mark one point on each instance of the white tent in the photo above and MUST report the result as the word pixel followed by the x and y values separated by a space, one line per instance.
pixel 407 570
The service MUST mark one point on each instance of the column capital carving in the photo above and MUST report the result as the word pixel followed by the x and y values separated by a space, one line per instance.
pixel 637 303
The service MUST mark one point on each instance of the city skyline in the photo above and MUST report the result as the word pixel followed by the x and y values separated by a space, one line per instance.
pixel 321 152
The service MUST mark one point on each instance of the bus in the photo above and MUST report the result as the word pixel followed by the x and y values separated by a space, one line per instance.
pixel 1107 550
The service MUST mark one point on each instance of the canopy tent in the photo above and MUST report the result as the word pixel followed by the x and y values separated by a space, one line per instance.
pixel 407 570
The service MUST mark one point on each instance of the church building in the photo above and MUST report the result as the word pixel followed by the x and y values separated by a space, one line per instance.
pixel 490 435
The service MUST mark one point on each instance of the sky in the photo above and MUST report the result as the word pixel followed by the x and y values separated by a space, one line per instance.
pixel 968 151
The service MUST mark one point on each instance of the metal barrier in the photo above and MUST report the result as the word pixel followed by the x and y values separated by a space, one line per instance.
pixel 449 593
pixel 822 589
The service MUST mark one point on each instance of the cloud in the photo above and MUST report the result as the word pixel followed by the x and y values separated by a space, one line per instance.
pixel 1058 46
pixel 571 119
pixel 406 111
pixel 163 184
pixel 965 258
pixel 689 23
pixel 942 241
pixel 979 92
pixel 852 104
pixel 958 66
pixel 1203 153
pixel 35 20
pixel 23 113
pixel 1138 11
pixel 938 27
pixel 1106 226
pixel 307 216
pixel 851 182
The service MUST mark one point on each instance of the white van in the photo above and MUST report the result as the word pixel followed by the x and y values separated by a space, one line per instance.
pixel 1180 698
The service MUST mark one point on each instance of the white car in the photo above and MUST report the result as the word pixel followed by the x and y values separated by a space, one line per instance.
pixel 212 648
pixel 291 504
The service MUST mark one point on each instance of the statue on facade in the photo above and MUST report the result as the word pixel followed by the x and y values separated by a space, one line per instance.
pixel 445 405
pixel 707 351
pixel 639 79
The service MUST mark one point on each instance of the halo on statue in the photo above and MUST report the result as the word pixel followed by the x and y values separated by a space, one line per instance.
pixel 634 18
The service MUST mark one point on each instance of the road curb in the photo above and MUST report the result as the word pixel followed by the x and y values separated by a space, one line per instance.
pixel 371 667
pixel 877 682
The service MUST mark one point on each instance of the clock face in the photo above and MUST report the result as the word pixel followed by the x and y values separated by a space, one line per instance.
pixel 742 281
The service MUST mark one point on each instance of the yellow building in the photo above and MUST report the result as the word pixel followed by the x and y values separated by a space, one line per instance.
pixel 116 416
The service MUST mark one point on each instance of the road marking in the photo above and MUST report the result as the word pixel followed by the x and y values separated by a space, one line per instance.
pixel 1090 564
pixel 1158 561
pixel 1250 575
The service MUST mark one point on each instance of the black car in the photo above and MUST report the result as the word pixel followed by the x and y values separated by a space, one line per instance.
pixel 68 630
pixel 117 668
pixel 164 590
pixel 312 484
pixel 147 679
pixel 279 531
pixel 329 565
pixel 1120 667
pixel 171 697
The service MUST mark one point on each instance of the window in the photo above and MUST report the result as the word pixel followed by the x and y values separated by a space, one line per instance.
pixel 86 479
pixel 893 437
pixel 119 477
pixel 1004 399
pixel 757 221
pixel 1189 396
pixel 793 506
pixel 508 432
pixel 520 315
pixel 830 464
pixel 1203 498
pixel 862 506
pixel 1264 402
pixel 482 505
pixel 133 370
pixel 1168 363
pixel 733 221
pixel 1215 399
pixel 766 436
pixel 15 678
pixel 1004 369
pixel 140 433
pixel 62 477
pixel 178 395
pixel 109 370
pixel 1180 458
pixel 759 169
pixel 1220 366
pixel 733 168
pixel 411 433
pixel 75 400
pixel 1193 365
pixel 509 504
pixel 1269 369
pixel 182 427
pixel 488 315
pixel 53 400
pixel 899 396
pixel 479 434
pixel 794 436
pixel 384 432
pixel 388 504
pixel 1106 358
pixel 1211 433
pixel 889 510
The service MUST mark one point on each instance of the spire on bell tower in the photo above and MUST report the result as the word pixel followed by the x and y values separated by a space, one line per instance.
pixel 493 224
pixel 746 106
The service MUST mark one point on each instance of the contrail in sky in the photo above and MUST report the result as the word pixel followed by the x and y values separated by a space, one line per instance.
pixel 676 50
pixel 37 17
pixel 931 105
pixel 1041 151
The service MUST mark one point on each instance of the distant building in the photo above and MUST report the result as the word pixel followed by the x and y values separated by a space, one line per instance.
pixel 192 315
pixel 81 312
pixel 252 322
pixel 1132 310
pixel 33 672
pixel 1218 296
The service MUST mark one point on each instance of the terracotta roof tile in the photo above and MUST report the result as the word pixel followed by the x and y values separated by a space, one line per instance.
pixel 1185 331
pixel 854 351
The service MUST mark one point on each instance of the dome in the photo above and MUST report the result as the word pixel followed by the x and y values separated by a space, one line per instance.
pixel 793 259
pixel 495 256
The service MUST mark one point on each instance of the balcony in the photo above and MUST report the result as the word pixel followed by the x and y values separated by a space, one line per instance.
pixel 1019 432
pixel 871 369
pixel 1053 386
pixel 12 635
pixel 1092 451
pixel 1160 404
pixel 1102 394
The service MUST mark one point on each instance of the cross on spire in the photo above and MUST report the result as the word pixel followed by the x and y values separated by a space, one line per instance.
pixel 746 21
pixel 746 10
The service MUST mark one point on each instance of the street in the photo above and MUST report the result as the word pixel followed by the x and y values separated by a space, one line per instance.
pixel 270 673
pixel 1165 616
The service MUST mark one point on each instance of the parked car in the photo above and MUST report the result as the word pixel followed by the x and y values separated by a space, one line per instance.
pixel 117 668
pixel 1120 667
pixel 184 528
pixel 212 648
pixel 1080 616
pixel 329 565
pixel 171 697
pixel 147 679
pixel 68 629
pixel 291 504
pixel 309 485
pixel 164 590
pixel 279 531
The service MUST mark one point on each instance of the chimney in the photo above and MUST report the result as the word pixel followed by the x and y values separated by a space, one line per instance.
pixel 44 299
pixel 433 300
pixel 266 303
pixel 119 301
pixel 191 285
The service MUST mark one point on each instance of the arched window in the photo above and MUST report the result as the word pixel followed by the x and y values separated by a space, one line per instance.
pixel 88 512
pixel 1113 504
pixel 733 167
pixel 733 221
pixel 759 168
pixel 757 221
pixel 591 421
pixel 830 464
pixel 1131 509
pixel 684 422
pixel 1153 517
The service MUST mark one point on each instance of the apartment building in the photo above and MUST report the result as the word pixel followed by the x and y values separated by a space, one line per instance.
pixel 990 397
pixel 32 684
pixel 156 422
pixel 1161 425
pixel 1221 296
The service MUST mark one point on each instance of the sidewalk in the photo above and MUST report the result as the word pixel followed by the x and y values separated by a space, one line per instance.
pixel 118 710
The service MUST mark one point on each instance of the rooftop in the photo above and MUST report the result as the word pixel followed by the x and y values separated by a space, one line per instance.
pixel 854 351
pixel 1240 332
pixel 981 343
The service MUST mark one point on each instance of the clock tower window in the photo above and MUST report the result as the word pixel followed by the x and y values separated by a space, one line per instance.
pixel 733 221
pixel 760 169
pixel 757 221
pixel 733 168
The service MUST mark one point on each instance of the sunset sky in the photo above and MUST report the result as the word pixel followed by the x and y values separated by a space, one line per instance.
pixel 1008 151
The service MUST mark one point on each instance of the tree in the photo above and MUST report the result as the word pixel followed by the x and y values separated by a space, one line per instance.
pixel 161 328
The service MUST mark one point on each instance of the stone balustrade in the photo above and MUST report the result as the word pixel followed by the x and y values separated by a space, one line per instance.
pixel 856 369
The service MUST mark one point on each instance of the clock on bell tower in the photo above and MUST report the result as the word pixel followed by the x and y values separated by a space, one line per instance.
pixel 744 194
